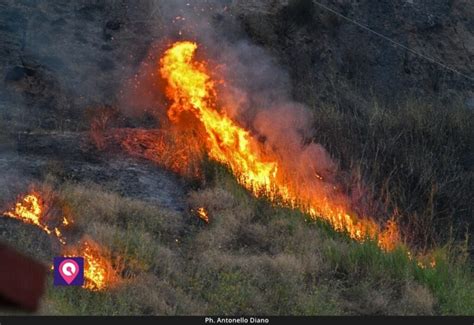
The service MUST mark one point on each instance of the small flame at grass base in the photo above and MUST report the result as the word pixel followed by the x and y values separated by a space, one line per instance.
pixel 31 209
pixel 98 271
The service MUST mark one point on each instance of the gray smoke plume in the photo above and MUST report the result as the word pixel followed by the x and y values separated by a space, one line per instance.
pixel 256 91
pixel 67 57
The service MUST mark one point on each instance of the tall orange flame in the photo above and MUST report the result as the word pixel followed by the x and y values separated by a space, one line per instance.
pixel 191 89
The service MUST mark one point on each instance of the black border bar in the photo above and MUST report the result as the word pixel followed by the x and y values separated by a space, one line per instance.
pixel 238 320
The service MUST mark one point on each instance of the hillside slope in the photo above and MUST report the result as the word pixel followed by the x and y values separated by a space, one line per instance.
pixel 397 128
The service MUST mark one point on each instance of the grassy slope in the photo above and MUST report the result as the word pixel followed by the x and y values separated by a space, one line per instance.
pixel 257 259
pixel 417 159
pixel 251 259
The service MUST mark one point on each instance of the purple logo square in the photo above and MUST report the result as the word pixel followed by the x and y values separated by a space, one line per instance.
pixel 68 271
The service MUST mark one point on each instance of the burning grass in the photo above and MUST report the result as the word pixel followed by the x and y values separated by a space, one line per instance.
pixel 357 272
pixel 173 148
pixel 406 166
pixel 99 273
pixel 259 255
pixel 33 209
pixel 199 123
pixel 258 166
pixel 168 265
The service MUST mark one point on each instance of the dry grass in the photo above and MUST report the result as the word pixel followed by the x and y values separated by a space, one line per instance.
pixel 415 160
pixel 251 258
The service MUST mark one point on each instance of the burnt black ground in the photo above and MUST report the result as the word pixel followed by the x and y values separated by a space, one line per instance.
pixel 69 157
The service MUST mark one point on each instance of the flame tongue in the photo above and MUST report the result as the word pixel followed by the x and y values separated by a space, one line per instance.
pixel 94 271
pixel 29 210
pixel 191 89
pixel 98 271
pixel 32 209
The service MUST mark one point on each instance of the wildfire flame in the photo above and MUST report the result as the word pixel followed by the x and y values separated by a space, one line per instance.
pixel 98 271
pixel 31 209
pixel 191 89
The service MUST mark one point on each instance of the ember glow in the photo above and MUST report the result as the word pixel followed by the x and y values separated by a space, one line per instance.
pixel 191 89
pixel 172 148
pixel 202 214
